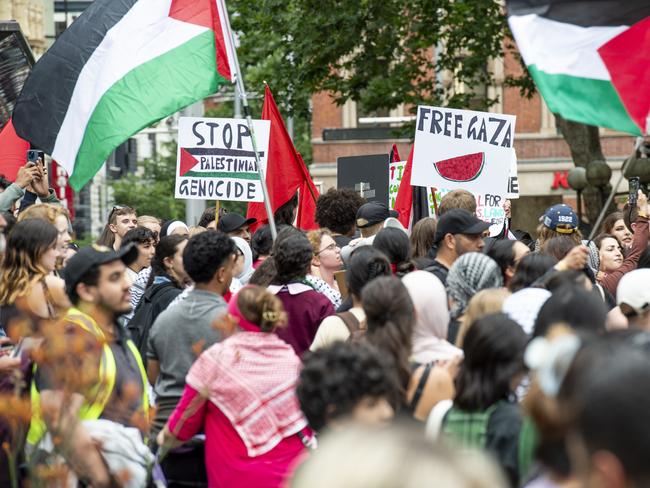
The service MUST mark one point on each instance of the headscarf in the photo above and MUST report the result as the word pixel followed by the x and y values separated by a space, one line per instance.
pixel 170 226
pixel 432 318
pixel 248 270
pixel 471 273
pixel 524 305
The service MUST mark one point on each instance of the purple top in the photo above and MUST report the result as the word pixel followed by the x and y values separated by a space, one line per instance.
pixel 306 309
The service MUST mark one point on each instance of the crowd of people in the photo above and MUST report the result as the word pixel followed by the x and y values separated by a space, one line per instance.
pixel 360 354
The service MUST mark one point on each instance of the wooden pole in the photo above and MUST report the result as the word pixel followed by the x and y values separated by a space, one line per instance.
pixel 217 209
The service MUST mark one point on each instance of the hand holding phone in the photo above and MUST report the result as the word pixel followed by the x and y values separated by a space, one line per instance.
pixel 33 156
pixel 635 183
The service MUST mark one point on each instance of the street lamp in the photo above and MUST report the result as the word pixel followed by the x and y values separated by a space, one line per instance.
pixel 598 174
pixel 577 179
pixel 636 166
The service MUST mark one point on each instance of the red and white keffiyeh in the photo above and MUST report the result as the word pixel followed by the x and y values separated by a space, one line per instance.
pixel 251 377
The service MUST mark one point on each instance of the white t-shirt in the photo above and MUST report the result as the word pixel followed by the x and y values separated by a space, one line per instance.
pixel 333 329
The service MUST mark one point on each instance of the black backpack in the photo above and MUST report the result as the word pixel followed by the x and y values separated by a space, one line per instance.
pixel 147 311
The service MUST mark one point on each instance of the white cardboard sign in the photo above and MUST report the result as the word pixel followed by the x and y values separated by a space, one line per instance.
pixel 216 160
pixel 463 149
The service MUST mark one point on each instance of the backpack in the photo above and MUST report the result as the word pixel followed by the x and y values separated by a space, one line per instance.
pixel 146 313
pixel 467 429
pixel 357 329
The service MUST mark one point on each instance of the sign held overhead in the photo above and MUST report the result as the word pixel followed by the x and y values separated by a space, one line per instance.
pixel 463 149
pixel 216 160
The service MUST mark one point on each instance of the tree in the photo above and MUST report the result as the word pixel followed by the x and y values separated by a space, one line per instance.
pixel 152 191
pixel 376 52
pixel 383 53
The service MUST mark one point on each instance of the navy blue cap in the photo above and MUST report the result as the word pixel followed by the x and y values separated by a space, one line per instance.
pixel 561 218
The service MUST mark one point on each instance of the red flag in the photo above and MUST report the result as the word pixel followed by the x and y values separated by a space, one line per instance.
pixel 307 205
pixel 13 151
pixel 404 199
pixel 394 154
pixel 286 172
pixel 61 187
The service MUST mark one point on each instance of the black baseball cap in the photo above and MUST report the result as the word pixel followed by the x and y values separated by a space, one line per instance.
pixel 231 222
pixel 371 213
pixel 459 221
pixel 87 257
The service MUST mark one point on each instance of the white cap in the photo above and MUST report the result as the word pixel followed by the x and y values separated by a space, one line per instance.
pixel 634 290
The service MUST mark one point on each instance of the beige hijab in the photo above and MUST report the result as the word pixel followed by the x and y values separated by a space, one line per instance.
pixel 432 318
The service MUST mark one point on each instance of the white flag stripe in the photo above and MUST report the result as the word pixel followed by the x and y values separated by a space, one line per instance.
pixel 559 48
pixel 144 33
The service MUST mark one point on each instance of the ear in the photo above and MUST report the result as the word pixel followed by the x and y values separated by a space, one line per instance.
pixel 450 241
pixel 87 293
pixel 113 228
pixel 607 470
pixel 315 261
pixel 221 274
pixel 168 262
pixel 633 225
pixel 510 272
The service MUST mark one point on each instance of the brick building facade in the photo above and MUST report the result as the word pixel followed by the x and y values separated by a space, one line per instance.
pixel 543 155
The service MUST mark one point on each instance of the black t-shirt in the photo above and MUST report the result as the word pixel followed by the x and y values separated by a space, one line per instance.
pixel 502 437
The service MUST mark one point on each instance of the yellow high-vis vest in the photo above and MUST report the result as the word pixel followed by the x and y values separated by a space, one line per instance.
pixel 99 393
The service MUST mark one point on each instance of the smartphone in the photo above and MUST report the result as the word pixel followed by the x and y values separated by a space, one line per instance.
pixel 635 183
pixel 33 155
pixel 6 349
pixel 18 349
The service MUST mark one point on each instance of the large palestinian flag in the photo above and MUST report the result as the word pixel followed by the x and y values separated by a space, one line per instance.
pixel 122 65
pixel 589 59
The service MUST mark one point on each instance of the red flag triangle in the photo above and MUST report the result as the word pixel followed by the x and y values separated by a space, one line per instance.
pixel 187 161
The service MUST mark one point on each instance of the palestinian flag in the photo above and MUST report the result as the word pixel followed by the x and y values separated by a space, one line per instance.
pixel 589 59
pixel 121 66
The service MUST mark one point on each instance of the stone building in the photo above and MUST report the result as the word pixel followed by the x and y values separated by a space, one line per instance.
pixel 31 15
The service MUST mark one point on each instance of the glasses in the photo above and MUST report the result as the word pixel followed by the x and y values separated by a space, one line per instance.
pixel 332 247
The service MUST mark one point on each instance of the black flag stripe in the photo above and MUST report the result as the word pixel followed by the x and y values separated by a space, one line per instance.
pixel 585 13
pixel 44 101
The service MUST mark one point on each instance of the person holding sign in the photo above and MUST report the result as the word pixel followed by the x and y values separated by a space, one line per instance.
pixel 458 232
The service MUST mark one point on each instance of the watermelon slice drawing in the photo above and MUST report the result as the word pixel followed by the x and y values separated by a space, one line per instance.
pixel 461 168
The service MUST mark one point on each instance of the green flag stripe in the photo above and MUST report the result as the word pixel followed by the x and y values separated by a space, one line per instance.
pixel 221 175
pixel 584 100
pixel 146 94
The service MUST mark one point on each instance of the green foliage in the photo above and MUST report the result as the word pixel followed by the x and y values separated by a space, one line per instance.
pixel 380 53
pixel 152 192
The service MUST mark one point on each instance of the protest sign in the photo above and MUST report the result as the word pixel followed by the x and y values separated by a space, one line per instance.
pixel 513 178
pixel 216 160
pixel 367 175
pixel 487 209
pixel 395 172
pixel 463 149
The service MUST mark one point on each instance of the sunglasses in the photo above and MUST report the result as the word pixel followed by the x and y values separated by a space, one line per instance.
pixel 116 208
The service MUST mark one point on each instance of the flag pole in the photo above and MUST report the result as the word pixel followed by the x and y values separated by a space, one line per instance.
pixel 247 113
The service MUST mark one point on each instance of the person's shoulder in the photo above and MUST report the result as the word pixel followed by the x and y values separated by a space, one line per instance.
pixel 167 318
pixel 56 287
pixel 506 416
pixel 332 323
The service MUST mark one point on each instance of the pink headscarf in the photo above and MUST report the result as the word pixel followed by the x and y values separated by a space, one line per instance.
pixel 233 309
pixel 432 318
